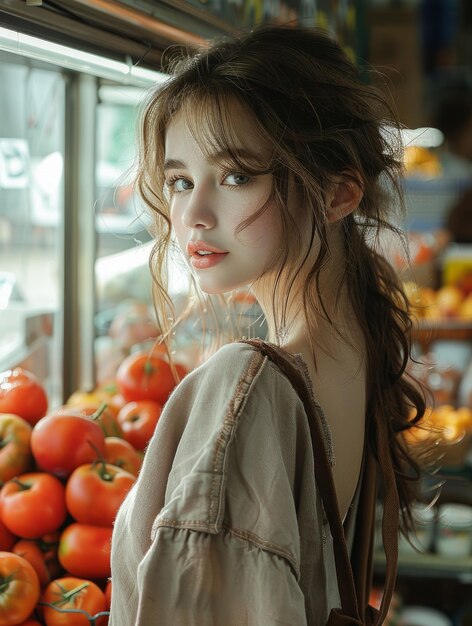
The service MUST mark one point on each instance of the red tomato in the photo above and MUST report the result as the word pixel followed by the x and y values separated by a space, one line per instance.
pixel 33 504
pixel 94 493
pixel 98 413
pixel 73 594
pixel 121 453
pixel 62 442
pixel 42 554
pixel 19 589
pixel 30 551
pixel 22 394
pixel 7 539
pixel 138 421
pixel 115 403
pixel 145 377
pixel 105 417
pixel 15 451
pixel 49 546
pixel 30 622
pixel 84 550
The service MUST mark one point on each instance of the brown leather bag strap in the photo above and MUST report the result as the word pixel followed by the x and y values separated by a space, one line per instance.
pixel 325 484
pixel 362 528
pixel 390 519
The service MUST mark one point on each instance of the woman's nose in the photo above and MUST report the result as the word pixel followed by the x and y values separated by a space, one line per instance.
pixel 198 212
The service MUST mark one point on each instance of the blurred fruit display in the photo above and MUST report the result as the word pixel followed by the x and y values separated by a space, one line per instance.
pixel 449 302
pixel 445 429
pixel 420 161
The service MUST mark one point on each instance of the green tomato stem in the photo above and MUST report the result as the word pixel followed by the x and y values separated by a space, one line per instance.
pixel 99 411
pixel 148 368
pixel 5 582
pixel 22 486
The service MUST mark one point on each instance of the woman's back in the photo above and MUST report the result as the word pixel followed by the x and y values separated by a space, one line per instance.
pixel 339 383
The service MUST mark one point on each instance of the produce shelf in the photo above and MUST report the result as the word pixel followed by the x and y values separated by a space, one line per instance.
pixel 429 566
pixel 427 331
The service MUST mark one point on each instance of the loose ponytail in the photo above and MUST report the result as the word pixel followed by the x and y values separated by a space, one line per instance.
pixel 397 400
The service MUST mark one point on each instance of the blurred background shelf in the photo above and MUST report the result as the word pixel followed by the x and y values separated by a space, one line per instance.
pixel 427 331
pixel 429 566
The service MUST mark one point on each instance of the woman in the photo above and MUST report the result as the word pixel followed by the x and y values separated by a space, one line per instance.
pixel 272 165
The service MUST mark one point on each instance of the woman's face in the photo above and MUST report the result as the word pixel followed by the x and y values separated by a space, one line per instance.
pixel 208 203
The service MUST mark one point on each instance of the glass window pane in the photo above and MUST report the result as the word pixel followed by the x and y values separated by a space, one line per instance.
pixel 124 313
pixel 32 101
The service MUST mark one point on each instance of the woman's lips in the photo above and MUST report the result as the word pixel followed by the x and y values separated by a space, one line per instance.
pixel 212 257
pixel 202 262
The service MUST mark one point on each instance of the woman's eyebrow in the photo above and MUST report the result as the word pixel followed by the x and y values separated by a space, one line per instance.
pixel 220 156
pixel 174 164
pixel 228 155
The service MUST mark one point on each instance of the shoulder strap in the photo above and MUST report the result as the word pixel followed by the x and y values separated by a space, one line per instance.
pixel 344 573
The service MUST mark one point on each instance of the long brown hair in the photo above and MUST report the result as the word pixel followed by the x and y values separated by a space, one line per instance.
pixel 320 121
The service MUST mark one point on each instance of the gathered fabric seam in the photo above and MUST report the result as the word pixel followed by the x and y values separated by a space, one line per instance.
pixel 241 533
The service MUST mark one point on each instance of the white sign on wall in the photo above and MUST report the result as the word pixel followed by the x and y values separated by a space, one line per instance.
pixel 14 163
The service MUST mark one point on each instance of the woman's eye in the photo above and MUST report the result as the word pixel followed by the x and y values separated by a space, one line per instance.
pixel 236 178
pixel 182 184
pixel 179 184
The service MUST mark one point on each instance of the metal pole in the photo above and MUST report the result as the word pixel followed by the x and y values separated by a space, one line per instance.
pixel 79 240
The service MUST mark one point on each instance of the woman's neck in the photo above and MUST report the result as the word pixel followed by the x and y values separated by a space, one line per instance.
pixel 288 326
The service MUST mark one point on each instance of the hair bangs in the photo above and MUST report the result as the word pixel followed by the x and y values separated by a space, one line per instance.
pixel 213 115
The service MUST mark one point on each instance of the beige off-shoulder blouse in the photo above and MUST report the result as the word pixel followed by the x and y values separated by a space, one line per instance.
pixel 225 526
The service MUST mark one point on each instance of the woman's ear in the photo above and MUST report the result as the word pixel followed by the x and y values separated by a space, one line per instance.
pixel 344 197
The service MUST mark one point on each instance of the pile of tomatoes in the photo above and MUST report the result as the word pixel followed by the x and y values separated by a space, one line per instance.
pixel 63 475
